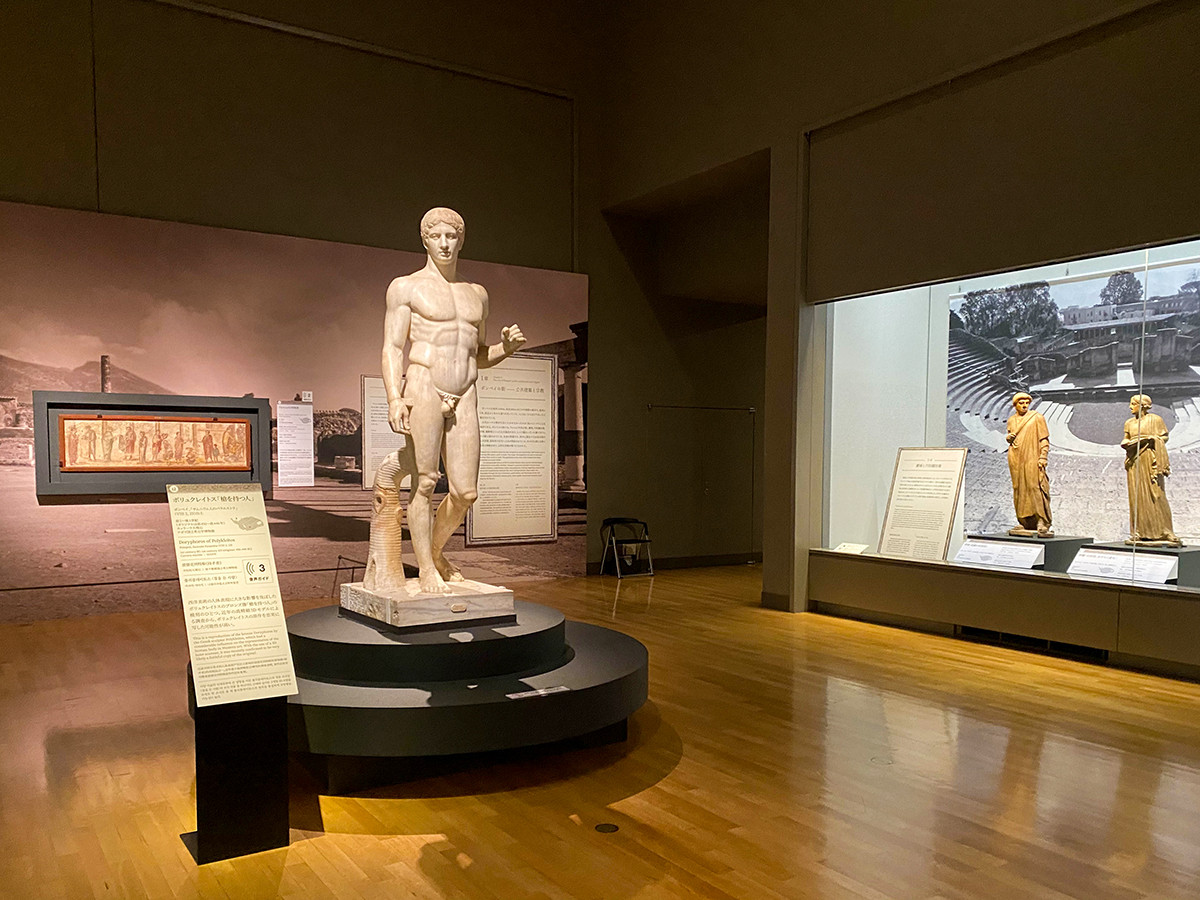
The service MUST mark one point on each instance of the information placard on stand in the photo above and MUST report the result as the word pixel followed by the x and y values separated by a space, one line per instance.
pixel 1125 565
pixel 518 472
pixel 294 423
pixel 997 553
pixel 241 667
pixel 922 502
pixel 378 439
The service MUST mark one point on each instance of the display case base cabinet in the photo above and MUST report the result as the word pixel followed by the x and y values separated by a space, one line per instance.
pixel 1137 627
pixel 1158 627
pixel 1024 603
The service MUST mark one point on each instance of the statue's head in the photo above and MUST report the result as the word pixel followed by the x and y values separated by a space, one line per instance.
pixel 442 233
pixel 1139 403
pixel 441 215
pixel 1021 401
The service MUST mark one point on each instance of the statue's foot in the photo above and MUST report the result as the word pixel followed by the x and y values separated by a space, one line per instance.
pixel 1044 531
pixel 448 570
pixel 432 583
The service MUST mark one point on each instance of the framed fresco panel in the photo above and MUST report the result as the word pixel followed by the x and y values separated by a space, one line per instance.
pixel 102 447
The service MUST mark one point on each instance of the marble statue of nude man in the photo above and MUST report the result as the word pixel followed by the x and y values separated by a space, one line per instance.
pixel 443 320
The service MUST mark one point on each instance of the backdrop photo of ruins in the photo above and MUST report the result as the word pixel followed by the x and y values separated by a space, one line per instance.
pixel 1082 341
pixel 191 310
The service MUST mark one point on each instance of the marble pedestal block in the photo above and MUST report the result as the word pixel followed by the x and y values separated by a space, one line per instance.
pixel 468 601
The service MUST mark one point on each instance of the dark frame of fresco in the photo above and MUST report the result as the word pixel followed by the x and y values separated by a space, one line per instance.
pixel 57 486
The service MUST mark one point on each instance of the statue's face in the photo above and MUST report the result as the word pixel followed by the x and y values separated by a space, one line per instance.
pixel 1135 407
pixel 1022 405
pixel 442 242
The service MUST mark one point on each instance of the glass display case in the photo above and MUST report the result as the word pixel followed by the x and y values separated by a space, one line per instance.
pixel 1074 388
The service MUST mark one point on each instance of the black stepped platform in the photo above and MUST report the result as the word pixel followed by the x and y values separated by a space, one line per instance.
pixel 367 692
pixel 330 645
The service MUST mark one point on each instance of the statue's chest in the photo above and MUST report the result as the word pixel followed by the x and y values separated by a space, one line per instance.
pixel 447 302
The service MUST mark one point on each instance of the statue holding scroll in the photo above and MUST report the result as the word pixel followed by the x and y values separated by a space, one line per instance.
pixel 1028 451
pixel 1146 471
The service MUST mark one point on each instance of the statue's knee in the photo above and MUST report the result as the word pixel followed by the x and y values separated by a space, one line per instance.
pixel 467 497
pixel 426 484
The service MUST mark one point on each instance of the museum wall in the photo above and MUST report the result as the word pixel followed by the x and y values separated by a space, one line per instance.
pixel 683 449
pixel 220 121
pixel 1078 148
pixel 683 98
pixel 229 123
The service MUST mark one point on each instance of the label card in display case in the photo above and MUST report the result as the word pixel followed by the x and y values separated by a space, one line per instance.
pixel 999 553
pixel 922 502
pixel 847 547
pixel 1148 568
pixel 236 631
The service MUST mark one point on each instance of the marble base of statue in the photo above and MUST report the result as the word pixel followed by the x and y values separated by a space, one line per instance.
pixel 467 601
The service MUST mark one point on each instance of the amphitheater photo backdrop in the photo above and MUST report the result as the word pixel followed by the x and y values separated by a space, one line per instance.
pixel 1082 343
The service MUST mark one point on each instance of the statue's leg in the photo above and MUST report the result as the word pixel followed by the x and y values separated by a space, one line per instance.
pixel 462 476
pixel 426 425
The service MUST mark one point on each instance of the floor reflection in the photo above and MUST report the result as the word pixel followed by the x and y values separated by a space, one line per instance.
pixel 781 756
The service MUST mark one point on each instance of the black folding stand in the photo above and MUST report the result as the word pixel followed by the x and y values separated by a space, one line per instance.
pixel 241 779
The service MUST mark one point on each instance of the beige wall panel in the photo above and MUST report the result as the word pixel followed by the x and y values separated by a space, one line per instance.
pixel 788 361
pixel 206 120
pixel 1085 150
pixel 1052 609
pixel 47 151
pixel 1160 627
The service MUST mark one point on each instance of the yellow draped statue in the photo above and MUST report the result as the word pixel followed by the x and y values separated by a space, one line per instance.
pixel 1028 450
pixel 1146 471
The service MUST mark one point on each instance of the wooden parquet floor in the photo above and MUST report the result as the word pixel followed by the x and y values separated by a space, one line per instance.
pixel 781 755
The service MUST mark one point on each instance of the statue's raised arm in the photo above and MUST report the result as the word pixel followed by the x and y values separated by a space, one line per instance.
pixel 511 340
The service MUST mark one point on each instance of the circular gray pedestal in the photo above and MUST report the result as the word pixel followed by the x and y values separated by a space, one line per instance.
pixel 367 692
pixel 329 645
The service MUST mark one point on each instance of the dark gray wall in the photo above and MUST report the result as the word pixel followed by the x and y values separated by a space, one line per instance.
pixel 47 146
pixel 230 121
pixel 1079 147
pixel 686 379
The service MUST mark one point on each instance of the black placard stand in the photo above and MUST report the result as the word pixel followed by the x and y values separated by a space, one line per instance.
pixel 241 778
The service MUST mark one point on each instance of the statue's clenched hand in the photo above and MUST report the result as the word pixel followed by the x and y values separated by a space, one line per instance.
pixel 511 339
